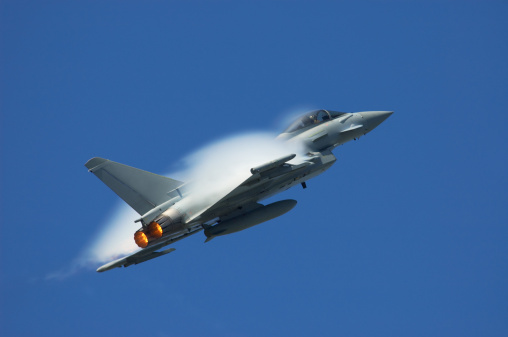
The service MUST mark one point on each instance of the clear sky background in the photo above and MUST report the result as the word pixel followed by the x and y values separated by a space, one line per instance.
pixel 406 235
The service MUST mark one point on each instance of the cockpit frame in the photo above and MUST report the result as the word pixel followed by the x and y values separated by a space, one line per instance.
pixel 313 118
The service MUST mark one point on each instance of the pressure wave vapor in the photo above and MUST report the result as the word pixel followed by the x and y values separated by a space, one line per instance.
pixel 213 171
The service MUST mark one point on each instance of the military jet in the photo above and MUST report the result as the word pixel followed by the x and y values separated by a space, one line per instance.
pixel 169 213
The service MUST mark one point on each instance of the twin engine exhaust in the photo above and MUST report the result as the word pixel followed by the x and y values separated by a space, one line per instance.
pixel 153 231
pixel 168 223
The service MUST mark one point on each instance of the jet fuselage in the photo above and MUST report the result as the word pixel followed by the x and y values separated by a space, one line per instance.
pixel 171 210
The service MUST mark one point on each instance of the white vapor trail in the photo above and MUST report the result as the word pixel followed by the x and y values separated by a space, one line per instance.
pixel 215 170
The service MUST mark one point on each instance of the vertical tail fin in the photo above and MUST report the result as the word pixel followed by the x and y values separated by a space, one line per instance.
pixel 140 189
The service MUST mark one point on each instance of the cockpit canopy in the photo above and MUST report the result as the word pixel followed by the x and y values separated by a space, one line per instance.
pixel 313 118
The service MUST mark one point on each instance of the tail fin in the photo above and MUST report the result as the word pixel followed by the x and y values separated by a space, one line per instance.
pixel 140 189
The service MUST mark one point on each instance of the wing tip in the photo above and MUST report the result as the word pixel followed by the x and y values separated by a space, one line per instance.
pixel 94 162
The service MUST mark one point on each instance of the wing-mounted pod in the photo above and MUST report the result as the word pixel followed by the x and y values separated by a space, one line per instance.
pixel 273 169
pixel 259 214
pixel 138 257
pixel 273 164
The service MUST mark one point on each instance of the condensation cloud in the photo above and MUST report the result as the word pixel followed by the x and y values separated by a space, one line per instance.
pixel 214 171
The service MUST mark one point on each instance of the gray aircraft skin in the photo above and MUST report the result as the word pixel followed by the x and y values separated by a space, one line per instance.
pixel 169 212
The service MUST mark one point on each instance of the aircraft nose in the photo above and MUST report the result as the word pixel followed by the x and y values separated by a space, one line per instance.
pixel 373 118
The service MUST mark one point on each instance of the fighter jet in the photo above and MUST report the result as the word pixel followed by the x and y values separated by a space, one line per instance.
pixel 169 213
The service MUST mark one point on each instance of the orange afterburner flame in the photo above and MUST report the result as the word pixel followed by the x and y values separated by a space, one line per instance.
pixel 154 230
pixel 141 239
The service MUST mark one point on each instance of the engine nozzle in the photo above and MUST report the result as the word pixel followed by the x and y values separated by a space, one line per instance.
pixel 141 239
pixel 153 231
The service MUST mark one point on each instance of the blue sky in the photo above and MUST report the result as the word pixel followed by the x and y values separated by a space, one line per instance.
pixel 405 235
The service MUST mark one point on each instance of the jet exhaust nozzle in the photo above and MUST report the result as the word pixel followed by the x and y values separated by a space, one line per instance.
pixel 141 239
pixel 143 236
pixel 168 223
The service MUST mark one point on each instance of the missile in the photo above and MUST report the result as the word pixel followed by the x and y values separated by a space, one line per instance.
pixel 140 257
pixel 149 257
pixel 252 218
pixel 273 164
